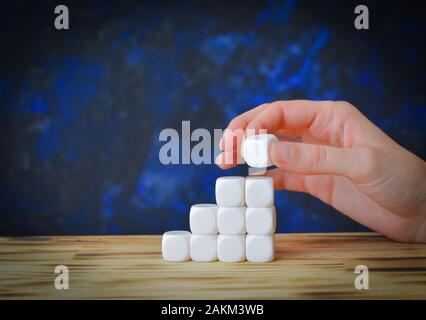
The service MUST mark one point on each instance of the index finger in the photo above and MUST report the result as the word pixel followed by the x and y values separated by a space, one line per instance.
pixel 294 116
pixel 236 128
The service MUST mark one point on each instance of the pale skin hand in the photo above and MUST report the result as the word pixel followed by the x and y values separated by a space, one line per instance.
pixel 343 159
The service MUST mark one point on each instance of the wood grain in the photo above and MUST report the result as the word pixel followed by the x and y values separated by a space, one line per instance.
pixel 307 266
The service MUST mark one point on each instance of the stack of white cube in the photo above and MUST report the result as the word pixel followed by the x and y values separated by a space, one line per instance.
pixel 239 227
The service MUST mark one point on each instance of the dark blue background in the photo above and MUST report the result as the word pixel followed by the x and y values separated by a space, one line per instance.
pixel 81 109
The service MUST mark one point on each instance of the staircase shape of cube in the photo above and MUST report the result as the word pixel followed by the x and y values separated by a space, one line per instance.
pixel 239 227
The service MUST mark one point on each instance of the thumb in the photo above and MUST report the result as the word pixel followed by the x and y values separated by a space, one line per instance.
pixel 316 159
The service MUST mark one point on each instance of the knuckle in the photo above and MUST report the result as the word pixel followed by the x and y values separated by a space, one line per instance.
pixel 275 104
pixel 347 107
pixel 318 155
pixel 370 158
pixel 326 103
pixel 265 105
pixel 294 154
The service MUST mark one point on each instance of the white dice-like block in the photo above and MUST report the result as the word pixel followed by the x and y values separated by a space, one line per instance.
pixel 259 191
pixel 203 247
pixel 261 221
pixel 230 191
pixel 203 218
pixel 175 245
pixel 256 150
pixel 259 248
pixel 231 248
pixel 231 220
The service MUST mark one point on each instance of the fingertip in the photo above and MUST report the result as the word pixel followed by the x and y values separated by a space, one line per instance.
pixel 218 159
pixel 221 144
pixel 274 152
pixel 221 163
pixel 225 166
pixel 281 154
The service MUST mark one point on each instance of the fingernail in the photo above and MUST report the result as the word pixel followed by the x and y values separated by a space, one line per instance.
pixel 222 140
pixel 218 159
pixel 220 144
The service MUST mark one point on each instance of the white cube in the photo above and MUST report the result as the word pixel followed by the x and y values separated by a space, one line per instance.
pixel 203 248
pixel 259 248
pixel 259 191
pixel 203 218
pixel 261 221
pixel 231 220
pixel 175 245
pixel 256 150
pixel 230 191
pixel 231 248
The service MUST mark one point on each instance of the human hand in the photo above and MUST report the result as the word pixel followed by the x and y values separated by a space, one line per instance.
pixel 341 158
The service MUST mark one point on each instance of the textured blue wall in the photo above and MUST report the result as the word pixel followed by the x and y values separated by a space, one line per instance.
pixel 81 109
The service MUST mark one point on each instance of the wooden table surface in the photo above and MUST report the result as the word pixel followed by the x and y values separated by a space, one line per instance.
pixel 306 266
